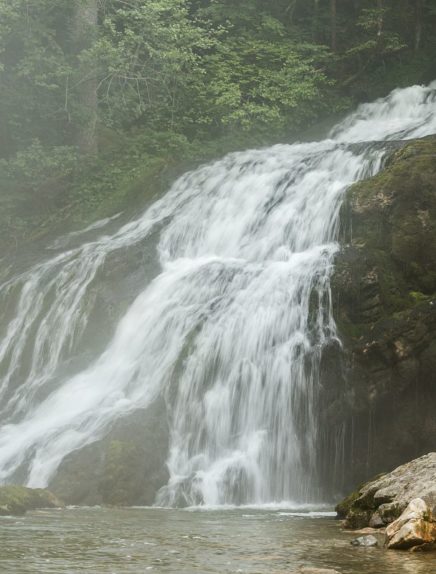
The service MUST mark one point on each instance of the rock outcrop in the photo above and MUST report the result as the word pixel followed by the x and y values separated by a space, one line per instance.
pixel 379 389
pixel 404 500
pixel 415 527
pixel 17 500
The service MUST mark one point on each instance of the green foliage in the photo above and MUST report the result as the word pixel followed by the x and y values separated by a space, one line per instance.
pixel 33 73
pixel 17 500
pixel 252 82
pixel 194 67
pixel 36 165
pixel 178 81
pixel 148 56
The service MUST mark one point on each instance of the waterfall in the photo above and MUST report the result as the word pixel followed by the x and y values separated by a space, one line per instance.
pixel 229 333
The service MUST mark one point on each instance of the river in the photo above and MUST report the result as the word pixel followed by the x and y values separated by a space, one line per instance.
pixel 140 540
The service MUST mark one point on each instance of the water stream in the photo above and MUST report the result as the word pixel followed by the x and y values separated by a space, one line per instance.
pixel 230 332
pixel 231 541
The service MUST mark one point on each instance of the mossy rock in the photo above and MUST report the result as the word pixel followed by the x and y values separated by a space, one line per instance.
pixel 343 508
pixel 123 474
pixel 17 500
pixel 381 394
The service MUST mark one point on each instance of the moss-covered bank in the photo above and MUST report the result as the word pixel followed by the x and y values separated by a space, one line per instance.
pixel 17 500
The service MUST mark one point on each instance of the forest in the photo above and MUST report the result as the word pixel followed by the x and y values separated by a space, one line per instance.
pixel 93 89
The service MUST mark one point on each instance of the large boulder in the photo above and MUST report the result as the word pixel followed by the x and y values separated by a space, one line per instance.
pixel 384 500
pixel 17 500
pixel 378 388
pixel 415 527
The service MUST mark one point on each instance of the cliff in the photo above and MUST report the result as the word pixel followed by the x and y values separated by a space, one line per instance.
pixel 379 394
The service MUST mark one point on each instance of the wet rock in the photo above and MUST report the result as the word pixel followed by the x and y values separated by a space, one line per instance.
pixel 379 390
pixel 424 548
pixel 369 530
pixel 125 468
pixel 17 500
pixel 376 521
pixel 383 500
pixel 367 541
pixel 415 527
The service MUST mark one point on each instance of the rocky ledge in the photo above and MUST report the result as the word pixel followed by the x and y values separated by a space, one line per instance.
pixel 403 501
pixel 17 500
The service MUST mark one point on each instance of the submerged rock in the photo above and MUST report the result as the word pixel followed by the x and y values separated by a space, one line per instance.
pixel 17 500
pixel 306 570
pixel 367 541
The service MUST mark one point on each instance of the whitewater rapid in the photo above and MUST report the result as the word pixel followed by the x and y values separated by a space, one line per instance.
pixel 230 333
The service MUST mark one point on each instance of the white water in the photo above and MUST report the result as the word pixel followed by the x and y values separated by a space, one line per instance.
pixel 230 332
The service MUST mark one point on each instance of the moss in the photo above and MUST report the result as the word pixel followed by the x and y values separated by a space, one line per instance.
pixel 345 505
pixel 358 507
pixel 417 297
pixel 351 330
pixel 391 220
pixel 17 500
pixel 355 510
pixel 122 474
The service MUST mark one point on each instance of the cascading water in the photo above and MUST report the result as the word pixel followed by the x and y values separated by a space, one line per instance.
pixel 230 332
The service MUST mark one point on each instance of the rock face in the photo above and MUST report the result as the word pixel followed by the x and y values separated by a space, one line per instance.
pixel 404 499
pixel 379 390
pixel 124 468
pixel 17 500
pixel 415 527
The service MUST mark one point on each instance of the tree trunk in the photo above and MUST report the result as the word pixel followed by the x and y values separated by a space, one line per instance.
pixel 418 23
pixel 380 18
pixel 315 25
pixel 380 25
pixel 356 7
pixel 290 10
pixel 333 15
pixel 84 29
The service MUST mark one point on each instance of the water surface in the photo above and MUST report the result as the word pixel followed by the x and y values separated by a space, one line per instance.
pixel 135 541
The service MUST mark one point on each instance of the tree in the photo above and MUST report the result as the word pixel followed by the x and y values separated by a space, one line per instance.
pixel 84 34
pixel 33 72
pixel 333 17
pixel 419 8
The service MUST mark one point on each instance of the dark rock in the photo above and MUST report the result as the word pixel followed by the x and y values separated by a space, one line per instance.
pixel 378 392
pixel 376 521
pixel 367 541
pixel 126 467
